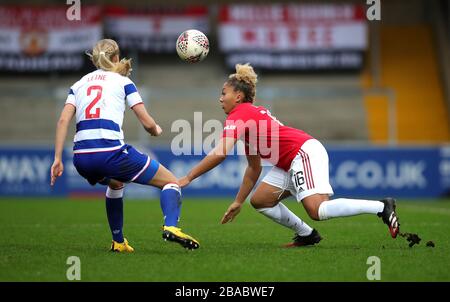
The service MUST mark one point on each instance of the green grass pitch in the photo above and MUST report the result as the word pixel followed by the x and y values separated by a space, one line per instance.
pixel 38 235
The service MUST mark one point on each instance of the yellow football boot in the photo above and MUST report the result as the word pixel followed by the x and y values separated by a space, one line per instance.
pixel 123 247
pixel 175 234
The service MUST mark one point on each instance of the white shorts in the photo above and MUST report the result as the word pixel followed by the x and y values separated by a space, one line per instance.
pixel 307 175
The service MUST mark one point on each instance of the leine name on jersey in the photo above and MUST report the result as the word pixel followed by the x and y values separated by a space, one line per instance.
pixel 96 77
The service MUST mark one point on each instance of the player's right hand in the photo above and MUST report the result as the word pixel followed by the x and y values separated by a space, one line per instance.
pixel 56 171
pixel 184 181
pixel 231 212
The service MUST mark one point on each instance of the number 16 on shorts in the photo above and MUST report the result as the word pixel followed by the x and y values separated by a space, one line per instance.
pixel 299 181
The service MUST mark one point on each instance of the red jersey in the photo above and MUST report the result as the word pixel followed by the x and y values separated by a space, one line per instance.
pixel 264 135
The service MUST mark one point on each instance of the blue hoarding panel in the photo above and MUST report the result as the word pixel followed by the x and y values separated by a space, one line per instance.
pixel 378 172
pixel 364 172
pixel 26 172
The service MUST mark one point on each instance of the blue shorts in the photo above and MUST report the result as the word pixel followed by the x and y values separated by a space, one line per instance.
pixel 125 165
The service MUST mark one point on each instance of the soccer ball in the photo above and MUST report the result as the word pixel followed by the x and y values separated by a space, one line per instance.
pixel 192 46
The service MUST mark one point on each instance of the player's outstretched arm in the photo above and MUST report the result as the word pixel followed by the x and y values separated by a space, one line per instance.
pixel 251 175
pixel 213 159
pixel 61 132
pixel 146 120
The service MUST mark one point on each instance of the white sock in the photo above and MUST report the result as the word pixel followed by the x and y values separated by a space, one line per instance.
pixel 282 215
pixel 342 207
pixel 110 193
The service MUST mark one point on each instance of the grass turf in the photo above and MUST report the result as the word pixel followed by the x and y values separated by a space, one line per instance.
pixel 39 235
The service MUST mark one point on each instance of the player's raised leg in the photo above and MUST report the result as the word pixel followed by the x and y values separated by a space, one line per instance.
pixel 170 201
pixel 310 178
pixel 319 207
pixel 114 211
pixel 266 200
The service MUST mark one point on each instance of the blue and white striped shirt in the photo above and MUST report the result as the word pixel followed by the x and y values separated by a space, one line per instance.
pixel 99 98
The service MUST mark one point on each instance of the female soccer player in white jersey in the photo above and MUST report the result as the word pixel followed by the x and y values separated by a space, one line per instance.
pixel 99 100
pixel 300 166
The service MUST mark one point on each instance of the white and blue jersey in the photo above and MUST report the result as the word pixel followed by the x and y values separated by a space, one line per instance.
pixel 100 99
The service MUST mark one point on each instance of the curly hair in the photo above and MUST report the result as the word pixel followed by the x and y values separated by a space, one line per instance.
pixel 244 80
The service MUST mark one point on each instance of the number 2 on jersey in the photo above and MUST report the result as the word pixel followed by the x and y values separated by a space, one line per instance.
pixel 97 98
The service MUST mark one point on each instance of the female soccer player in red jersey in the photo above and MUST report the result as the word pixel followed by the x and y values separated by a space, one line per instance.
pixel 300 166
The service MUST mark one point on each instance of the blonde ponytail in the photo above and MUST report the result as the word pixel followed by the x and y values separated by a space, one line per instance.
pixel 123 67
pixel 102 55
pixel 244 80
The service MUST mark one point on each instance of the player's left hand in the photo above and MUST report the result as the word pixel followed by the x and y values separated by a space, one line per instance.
pixel 56 171
pixel 158 131
pixel 232 212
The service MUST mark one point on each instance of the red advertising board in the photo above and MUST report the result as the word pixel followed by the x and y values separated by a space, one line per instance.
pixel 43 39
pixel 294 36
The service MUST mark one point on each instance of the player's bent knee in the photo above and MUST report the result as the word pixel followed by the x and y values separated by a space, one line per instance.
pixel 312 205
pixel 169 178
pixel 115 185
pixel 254 202
pixel 313 212
pixel 257 202
pixel 314 215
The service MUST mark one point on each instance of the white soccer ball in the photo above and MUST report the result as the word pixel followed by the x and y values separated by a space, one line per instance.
pixel 192 46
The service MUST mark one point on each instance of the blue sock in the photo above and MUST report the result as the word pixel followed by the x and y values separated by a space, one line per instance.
pixel 114 211
pixel 171 204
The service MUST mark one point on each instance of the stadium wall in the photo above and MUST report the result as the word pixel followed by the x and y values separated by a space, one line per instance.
pixel 355 171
